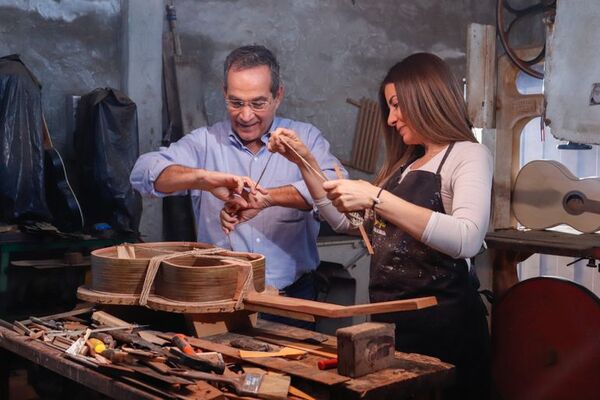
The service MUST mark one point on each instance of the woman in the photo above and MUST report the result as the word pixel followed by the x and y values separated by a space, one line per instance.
pixel 431 205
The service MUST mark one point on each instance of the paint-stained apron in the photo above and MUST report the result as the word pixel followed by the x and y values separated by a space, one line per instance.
pixel 456 329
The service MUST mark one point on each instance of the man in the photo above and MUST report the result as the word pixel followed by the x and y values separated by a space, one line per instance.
pixel 278 221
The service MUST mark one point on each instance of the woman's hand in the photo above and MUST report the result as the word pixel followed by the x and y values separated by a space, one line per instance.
pixel 350 195
pixel 285 142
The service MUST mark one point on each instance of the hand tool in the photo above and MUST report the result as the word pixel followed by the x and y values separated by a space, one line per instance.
pixel 118 357
pixel 263 171
pixel 179 340
pixel 252 345
pixel 255 385
pixel 52 324
pixel 96 345
pixel 136 340
pixel 327 363
pixel 212 361
pixel 79 332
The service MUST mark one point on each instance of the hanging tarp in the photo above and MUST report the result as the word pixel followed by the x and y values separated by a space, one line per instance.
pixel 22 193
pixel 106 139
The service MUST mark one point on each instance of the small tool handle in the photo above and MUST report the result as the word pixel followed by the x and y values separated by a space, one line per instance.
pixel 328 363
pixel 182 344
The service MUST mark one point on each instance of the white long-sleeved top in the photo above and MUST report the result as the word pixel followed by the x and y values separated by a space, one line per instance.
pixel 466 195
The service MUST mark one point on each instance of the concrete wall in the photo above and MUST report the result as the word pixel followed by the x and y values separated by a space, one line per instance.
pixel 71 46
pixel 328 50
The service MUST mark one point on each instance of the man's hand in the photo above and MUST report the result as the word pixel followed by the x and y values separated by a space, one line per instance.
pixel 226 187
pixel 243 208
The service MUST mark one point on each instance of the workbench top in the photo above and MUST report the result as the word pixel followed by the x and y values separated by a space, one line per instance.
pixel 413 375
pixel 545 242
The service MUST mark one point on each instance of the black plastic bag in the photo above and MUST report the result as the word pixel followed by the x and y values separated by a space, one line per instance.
pixel 106 143
pixel 22 191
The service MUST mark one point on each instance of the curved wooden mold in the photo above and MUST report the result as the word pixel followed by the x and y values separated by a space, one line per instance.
pixel 93 296
pixel 203 284
pixel 125 276
pixel 120 280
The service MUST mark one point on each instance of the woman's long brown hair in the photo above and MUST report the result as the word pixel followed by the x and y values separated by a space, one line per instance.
pixel 432 105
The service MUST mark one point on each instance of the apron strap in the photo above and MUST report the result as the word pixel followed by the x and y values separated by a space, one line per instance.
pixel 450 146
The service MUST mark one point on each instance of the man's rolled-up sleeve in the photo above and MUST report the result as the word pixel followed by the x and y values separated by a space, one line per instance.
pixel 188 151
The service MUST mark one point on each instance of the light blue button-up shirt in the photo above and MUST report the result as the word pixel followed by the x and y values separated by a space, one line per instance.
pixel 286 236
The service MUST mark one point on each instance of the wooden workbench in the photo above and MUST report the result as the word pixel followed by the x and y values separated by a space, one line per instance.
pixel 413 376
pixel 509 247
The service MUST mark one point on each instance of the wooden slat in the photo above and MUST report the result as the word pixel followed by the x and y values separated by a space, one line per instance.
pixel 376 130
pixel 514 110
pixel 281 313
pixel 328 310
pixel 481 75
pixel 366 136
pixel 546 242
pixel 299 346
pixel 359 158
pixel 369 132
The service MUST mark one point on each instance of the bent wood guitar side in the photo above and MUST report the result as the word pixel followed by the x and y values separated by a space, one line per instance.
pixel 547 194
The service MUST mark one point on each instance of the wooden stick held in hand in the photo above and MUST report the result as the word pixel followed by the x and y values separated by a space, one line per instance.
pixel 361 227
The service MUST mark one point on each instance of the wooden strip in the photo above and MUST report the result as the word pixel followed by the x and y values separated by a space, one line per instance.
pixel 356 141
pixel 360 134
pixel 293 345
pixel 105 318
pixel 546 242
pixel 513 112
pixel 81 309
pixel 361 228
pixel 294 391
pixel 291 367
pixel 86 294
pixel 373 117
pixel 369 119
pixel 376 129
pixel 365 238
pixel 328 310
pixel 281 331
pixel 481 75
pixel 282 313
pixel 288 352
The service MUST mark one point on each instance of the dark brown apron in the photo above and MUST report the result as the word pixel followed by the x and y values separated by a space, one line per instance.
pixel 456 329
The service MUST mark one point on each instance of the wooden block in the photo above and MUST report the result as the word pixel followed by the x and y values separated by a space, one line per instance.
pixel 365 348
pixel 107 319
pixel 215 323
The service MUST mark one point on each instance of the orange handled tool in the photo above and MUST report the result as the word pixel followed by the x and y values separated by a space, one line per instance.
pixel 328 363
pixel 182 344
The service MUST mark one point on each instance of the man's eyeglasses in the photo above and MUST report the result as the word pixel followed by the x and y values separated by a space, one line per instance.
pixel 255 105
